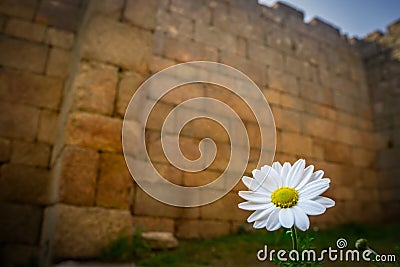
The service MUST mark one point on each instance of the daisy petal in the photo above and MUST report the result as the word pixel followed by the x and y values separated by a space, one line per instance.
pixel 260 214
pixel 249 205
pixel 300 218
pixel 311 207
pixel 306 177
pixel 277 166
pixel 247 181
pixel 257 197
pixel 286 218
pixel 326 202
pixel 295 174
pixel 260 224
pixel 315 189
pixel 285 171
pixel 272 223
pixel 270 178
pixel 316 175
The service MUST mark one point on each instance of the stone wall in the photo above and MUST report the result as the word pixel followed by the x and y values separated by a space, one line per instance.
pixel 381 53
pixel 69 69
pixel 37 43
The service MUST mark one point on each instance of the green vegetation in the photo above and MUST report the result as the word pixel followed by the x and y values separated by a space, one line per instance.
pixel 240 249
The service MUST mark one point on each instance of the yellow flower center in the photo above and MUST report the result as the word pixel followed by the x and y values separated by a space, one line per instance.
pixel 285 197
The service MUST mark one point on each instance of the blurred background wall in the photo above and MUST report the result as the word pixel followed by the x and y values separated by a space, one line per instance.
pixel 69 69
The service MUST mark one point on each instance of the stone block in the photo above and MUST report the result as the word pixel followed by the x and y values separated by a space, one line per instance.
pixel 114 187
pixel 31 89
pixel 211 35
pixel 292 102
pixel 75 176
pixel 201 228
pixel 188 50
pixel 170 173
pixel 20 8
pixel 23 55
pixel 160 240
pixel 48 124
pixel 148 223
pixel 95 87
pixel 282 81
pixel 225 208
pixel 173 25
pixel 130 47
pixel 25 30
pixel 18 121
pixel 337 152
pixel 192 9
pixel 127 87
pixel 159 63
pixel 59 14
pixel 32 154
pixel 94 131
pixel 272 96
pixel 363 157
pixel 287 120
pixel 142 13
pixel 101 226
pixel 295 144
pixel 145 205
pixel 315 93
pixel 110 9
pixel 271 57
pixel 199 178
pixel 24 184
pixel 60 38
pixel 13 223
pixel 5 148
pixel 58 63
pixel 322 111
pixel 318 127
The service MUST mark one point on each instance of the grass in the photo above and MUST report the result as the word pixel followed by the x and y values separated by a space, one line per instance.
pixel 240 249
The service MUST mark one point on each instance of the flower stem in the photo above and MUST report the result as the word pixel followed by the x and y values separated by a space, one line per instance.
pixel 294 238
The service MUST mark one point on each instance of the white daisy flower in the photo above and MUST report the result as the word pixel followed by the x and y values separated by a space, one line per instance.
pixel 285 195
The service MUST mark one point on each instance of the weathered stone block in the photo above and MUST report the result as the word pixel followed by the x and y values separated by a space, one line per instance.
pixel 75 176
pixel 129 47
pixel 201 228
pixel 95 88
pixel 213 36
pixel 19 8
pixel 287 119
pixel 94 131
pixel 13 223
pixel 48 124
pixel 25 29
pixel 32 89
pixel 100 226
pixel 128 85
pixel 33 154
pixel 111 9
pixel 187 50
pixel 225 208
pixel 23 55
pixel 147 206
pixel 295 144
pixel 18 121
pixel 5 146
pixel 292 102
pixel 142 13
pixel 266 55
pixel 282 81
pixel 160 240
pixel 58 63
pixel 60 38
pixel 114 189
pixel 148 223
pixel 337 152
pixel 24 184
pixel 173 25
pixel 59 14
